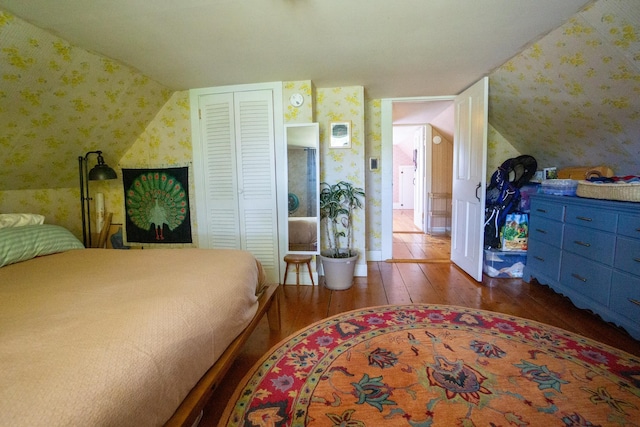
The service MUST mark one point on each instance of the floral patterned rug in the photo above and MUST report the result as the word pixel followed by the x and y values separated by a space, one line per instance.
pixel 423 365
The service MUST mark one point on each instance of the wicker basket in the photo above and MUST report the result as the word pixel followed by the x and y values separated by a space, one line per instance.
pixel 623 192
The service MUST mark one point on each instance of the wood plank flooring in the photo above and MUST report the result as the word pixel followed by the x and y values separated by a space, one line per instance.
pixel 403 221
pixel 420 246
pixel 406 283
pixel 411 244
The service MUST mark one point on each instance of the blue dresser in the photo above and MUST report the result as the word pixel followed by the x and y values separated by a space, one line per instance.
pixel 588 250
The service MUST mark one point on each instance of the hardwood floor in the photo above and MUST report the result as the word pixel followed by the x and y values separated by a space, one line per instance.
pixel 406 283
pixel 411 244
pixel 421 247
pixel 403 221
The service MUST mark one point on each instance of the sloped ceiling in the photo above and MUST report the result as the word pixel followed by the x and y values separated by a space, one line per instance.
pixel 58 101
pixel 392 48
pixel 569 99
pixel 573 97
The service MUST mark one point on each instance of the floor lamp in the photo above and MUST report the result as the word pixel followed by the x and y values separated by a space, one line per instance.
pixel 100 172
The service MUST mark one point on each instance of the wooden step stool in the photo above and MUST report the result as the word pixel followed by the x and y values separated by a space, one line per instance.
pixel 297 260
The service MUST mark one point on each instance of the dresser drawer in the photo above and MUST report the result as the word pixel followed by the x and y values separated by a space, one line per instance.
pixel 598 219
pixel 543 209
pixel 625 296
pixel 627 255
pixel 546 231
pixel 586 277
pixel 544 258
pixel 596 245
pixel 629 225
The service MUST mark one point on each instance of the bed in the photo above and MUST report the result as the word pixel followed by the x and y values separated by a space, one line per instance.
pixel 302 234
pixel 119 337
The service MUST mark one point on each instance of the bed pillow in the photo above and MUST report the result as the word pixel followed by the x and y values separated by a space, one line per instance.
pixel 20 219
pixel 29 241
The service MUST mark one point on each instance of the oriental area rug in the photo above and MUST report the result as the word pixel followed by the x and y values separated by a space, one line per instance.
pixel 433 365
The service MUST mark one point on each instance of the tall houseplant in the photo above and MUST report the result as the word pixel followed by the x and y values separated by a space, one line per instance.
pixel 337 204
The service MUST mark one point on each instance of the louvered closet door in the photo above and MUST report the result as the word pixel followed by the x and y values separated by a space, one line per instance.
pixel 217 129
pixel 257 177
pixel 238 146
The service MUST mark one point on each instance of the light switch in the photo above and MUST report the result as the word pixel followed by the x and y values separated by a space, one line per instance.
pixel 373 163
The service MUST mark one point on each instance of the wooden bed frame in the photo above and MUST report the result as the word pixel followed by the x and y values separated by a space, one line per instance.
pixel 189 410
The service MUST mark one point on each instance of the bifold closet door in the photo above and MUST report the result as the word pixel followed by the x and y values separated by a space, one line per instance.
pixel 238 149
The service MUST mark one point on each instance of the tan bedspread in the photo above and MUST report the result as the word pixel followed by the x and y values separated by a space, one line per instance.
pixel 113 337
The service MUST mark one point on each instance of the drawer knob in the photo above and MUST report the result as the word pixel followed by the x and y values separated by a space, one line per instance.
pixel 584 218
pixel 542 210
pixel 539 230
pixel 634 301
pixel 636 259
pixel 579 277
pixel 539 258
pixel 585 244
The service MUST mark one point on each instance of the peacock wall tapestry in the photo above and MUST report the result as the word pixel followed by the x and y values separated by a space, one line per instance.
pixel 157 205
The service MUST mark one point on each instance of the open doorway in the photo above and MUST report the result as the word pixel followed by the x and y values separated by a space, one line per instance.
pixel 421 131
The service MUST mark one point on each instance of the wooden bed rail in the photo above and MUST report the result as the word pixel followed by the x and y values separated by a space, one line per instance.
pixel 189 410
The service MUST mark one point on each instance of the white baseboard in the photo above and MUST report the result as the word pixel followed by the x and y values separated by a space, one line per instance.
pixel 374 256
pixel 441 230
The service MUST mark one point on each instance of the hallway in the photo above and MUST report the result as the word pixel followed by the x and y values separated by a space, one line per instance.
pixel 412 245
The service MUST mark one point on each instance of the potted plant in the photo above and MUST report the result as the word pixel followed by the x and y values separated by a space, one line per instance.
pixel 337 203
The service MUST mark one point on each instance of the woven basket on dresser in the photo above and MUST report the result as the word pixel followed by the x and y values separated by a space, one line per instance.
pixel 623 192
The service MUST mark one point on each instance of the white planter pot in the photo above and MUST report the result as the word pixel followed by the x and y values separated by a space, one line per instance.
pixel 338 272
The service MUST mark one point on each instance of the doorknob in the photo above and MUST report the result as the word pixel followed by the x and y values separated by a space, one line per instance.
pixel 477 188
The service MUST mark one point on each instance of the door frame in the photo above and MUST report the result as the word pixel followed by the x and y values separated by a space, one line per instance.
pixel 386 169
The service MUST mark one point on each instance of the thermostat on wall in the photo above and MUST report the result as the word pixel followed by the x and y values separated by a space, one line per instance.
pixel 296 99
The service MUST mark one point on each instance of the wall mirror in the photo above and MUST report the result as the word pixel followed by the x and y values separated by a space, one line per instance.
pixel 303 141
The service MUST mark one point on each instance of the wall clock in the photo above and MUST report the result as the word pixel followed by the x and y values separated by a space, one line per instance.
pixel 296 99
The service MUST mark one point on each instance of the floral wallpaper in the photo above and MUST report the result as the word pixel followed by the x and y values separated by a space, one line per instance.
pixel 304 113
pixel 373 179
pixel 498 150
pixel 573 97
pixel 569 99
pixel 166 142
pixel 58 102
pixel 337 164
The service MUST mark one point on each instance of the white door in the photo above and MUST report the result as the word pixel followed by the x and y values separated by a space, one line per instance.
pixel 234 169
pixel 469 178
pixel 256 162
pixel 216 175
pixel 407 186
pixel 420 177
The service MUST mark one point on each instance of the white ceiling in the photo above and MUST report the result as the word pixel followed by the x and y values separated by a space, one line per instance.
pixel 392 48
pixel 409 116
